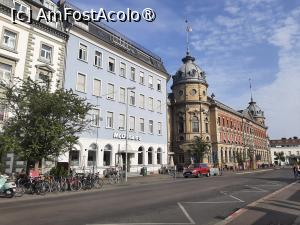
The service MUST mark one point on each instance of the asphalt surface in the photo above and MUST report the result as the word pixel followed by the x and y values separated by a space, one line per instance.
pixel 206 200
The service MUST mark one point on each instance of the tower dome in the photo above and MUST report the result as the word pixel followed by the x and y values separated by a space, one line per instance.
pixel 254 110
pixel 189 72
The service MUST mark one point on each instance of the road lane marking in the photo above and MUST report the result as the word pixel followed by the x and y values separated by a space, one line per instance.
pixel 259 171
pixel 191 221
pixel 186 213
pixel 256 189
pixel 239 200
pixel 253 204
pixel 212 202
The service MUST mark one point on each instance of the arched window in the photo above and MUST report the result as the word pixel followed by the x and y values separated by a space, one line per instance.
pixel 74 157
pixel 195 124
pixel 141 156
pixel 107 155
pixel 92 154
pixel 180 123
pixel 150 155
pixel 159 156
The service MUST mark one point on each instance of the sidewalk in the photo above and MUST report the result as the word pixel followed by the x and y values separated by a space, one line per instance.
pixel 278 208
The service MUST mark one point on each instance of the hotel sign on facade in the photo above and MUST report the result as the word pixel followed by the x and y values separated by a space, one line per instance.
pixel 123 136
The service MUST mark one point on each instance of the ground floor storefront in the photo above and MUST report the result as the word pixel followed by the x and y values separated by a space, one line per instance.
pixel 227 156
pixel 91 155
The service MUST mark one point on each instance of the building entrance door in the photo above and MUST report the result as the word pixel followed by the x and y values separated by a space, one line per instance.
pixel 128 161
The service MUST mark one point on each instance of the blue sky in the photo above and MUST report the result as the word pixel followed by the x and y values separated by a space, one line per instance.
pixel 231 40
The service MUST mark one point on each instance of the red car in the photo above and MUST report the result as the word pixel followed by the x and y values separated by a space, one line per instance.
pixel 197 170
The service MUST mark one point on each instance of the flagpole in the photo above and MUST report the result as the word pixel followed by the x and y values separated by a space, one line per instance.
pixel 187 37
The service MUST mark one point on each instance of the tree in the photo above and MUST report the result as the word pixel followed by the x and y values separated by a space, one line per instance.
pixel 43 124
pixel 199 148
pixel 279 156
pixel 239 159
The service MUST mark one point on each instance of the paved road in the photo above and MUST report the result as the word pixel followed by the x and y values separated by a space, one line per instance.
pixel 182 201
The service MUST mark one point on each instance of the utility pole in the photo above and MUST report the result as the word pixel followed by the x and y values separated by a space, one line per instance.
pixel 126 140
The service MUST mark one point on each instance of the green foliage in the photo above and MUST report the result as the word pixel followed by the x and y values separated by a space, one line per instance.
pixel 59 171
pixel 44 124
pixel 199 148
pixel 279 156
pixel 239 158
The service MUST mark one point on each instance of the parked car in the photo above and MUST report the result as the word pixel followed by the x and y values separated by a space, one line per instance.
pixel 197 170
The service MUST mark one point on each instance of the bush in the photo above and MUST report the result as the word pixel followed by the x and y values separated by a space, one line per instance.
pixel 59 171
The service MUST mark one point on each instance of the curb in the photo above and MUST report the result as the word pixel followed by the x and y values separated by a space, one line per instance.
pixel 239 212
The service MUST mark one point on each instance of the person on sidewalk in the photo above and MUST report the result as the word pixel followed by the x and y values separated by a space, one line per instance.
pixel 295 170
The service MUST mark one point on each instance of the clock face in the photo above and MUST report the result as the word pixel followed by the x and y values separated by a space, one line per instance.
pixel 193 92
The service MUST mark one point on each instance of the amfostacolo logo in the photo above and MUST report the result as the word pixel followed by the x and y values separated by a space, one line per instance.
pixel 69 14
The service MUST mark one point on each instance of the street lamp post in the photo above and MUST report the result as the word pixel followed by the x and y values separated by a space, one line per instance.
pixel 126 140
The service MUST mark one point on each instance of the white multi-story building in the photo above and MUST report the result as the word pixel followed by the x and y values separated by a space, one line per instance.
pixel 33 50
pixel 103 66
pixel 290 148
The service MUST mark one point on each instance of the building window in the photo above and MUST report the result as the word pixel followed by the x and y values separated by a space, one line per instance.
pixel 151 126
pixel 150 81
pixel 151 106
pixel 74 157
pixel 206 127
pixel 132 98
pixel 80 84
pixel 46 53
pixel 44 77
pixel 82 55
pixel 159 85
pixel 107 155
pixel 92 155
pixel 140 156
pixel 180 123
pixel 150 155
pixel 9 39
pixel 95 117
pixel 159 127
pixel 131 123
pixel 122 122
pixel 159 156
pixel 142 78
pixel 110 91
pixel 98 59
pixel 2 112
pixel 122 94
pixel 110 120
pixel 142 101
pixel 122 69
pixel 142 125
pixel 5 72
pixel 132 74
pixel 159 106
pixel 111 64
pixel 97 88
pixel 219 121
pixel 195 124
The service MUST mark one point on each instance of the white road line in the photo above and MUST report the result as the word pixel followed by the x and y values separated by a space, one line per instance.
pixel 140 223
pixel 180 206
pixel 259 171
pixel 254 187
pixel 186 213
pixel 236 198
pixel 212 202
